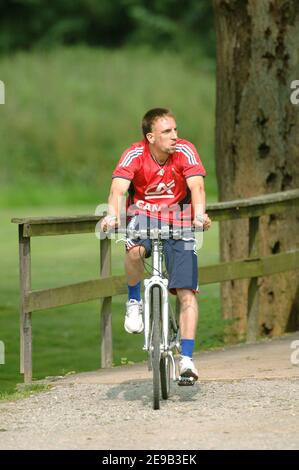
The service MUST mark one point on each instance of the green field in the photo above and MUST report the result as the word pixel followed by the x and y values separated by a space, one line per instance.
pixel 69 114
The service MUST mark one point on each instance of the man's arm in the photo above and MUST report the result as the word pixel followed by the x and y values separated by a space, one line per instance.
pixel 198 201
pixel 198 196
pixel 118 188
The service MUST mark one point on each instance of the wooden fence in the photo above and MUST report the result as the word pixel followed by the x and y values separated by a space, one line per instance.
pixel 107 286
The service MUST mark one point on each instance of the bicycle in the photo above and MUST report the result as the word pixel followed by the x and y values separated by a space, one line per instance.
pixel 161 329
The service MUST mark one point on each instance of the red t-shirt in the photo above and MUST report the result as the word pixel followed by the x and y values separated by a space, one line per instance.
pixel 160 191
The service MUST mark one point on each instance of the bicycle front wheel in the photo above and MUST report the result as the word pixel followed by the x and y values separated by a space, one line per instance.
pixel 156 341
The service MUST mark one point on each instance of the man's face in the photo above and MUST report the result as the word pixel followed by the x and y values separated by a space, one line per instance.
pixel 164 134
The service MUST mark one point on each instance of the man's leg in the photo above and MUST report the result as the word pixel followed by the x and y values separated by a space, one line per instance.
pixel 134 264
pixel 188 325
pixel 134 269
pixel 188 313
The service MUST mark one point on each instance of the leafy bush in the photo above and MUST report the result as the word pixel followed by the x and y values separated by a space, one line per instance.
pixel 27 24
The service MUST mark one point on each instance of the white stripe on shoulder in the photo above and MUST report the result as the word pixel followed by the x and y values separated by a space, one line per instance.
pixel 129 160
pixel 130 154
pixel 188 152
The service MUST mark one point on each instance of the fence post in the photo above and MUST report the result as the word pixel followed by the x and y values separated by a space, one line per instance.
pixel 25 317
pixel 106 311
pixel 252 304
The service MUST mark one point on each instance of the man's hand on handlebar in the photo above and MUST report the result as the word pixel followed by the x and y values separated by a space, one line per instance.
pixel 203 221
pixel 109 222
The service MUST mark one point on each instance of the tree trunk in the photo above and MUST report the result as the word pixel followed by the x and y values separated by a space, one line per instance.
pixel 257 147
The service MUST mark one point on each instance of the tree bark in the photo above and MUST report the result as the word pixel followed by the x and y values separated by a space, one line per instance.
pixel 257 146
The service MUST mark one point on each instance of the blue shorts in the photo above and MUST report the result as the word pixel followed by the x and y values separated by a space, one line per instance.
pixel 180 255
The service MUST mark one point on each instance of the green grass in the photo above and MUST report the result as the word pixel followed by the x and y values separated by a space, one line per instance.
pixel 71 112
pixel 67 339
pixel 23 392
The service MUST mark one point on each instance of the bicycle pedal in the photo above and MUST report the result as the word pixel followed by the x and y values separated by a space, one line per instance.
pixel 186 381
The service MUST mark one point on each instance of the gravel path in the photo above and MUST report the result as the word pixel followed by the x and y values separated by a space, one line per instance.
pixel 112 409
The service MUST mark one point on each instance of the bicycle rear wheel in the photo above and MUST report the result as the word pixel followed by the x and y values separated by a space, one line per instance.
pixel 156 341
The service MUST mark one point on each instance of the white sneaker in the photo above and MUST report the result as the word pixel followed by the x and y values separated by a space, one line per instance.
pixel 187 368
pixel 133 318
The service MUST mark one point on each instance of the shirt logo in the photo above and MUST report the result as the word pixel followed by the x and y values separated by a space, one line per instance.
pixel 160 191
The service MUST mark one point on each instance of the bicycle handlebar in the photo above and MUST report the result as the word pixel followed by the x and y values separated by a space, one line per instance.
pixel 159 233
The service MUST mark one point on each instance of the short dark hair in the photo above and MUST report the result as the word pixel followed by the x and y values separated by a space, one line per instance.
pixel 150 117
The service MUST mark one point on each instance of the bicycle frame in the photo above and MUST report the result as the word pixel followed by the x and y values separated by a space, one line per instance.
pixel 157 280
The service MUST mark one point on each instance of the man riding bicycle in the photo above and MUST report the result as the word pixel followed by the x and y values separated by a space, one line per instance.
pixel 163 175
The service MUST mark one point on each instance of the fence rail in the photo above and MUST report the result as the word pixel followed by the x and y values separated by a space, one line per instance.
pixel 108 286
